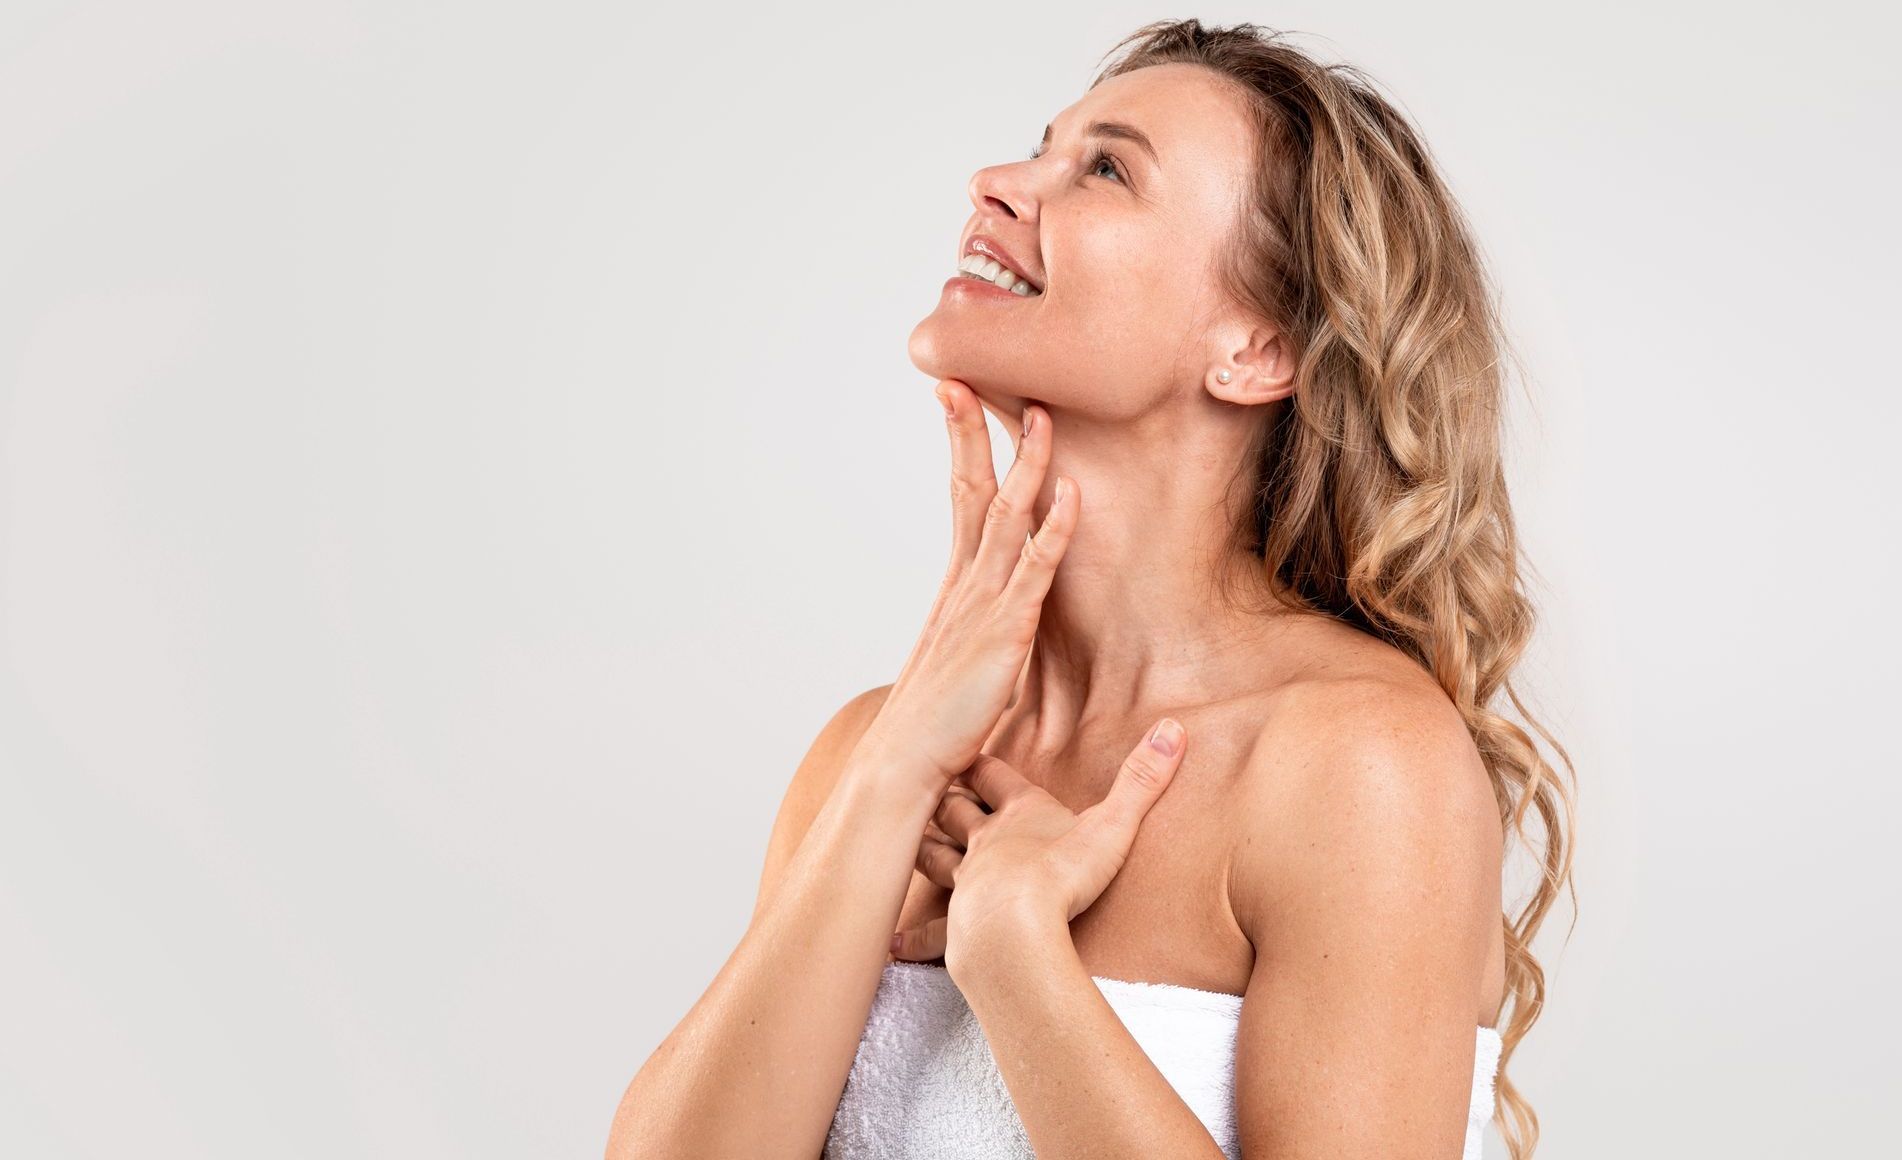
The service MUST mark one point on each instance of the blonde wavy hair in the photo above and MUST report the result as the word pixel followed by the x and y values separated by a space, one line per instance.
pixel 1379 494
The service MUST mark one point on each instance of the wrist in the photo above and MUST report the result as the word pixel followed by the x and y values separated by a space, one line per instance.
pixel 893 773
pixel 988 938
pixel 873 778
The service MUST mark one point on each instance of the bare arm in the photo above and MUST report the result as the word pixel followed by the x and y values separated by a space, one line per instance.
pixel 1371 895
pixel 757 1066
pixel 1081 1083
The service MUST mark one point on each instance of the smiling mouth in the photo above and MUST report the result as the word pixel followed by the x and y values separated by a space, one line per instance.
pixel 986 269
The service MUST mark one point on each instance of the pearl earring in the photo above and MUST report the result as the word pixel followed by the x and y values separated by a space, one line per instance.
pixel 1221 376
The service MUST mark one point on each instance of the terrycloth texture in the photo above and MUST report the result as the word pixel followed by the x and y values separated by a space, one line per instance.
pixel 925 1086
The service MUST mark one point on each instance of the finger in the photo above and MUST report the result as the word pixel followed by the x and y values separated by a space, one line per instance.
pixel 1007 520
pixel 921 943
pixel 958 815
pixel 973 476
pixel 938 860
pixel 1145 773
pixel 1037 562
pixel 995 780
pixel 961 785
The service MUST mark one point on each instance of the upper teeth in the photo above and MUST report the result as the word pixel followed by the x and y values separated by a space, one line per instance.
pixel 992 270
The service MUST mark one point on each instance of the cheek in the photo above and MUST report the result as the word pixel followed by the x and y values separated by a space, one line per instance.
pixel 1133 306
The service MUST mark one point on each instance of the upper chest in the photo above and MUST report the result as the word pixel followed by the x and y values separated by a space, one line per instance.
pixel 1165 917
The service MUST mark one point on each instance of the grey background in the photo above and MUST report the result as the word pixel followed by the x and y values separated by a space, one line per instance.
pixel 454 457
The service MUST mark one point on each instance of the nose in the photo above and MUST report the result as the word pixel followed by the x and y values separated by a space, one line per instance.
pixel 1005 189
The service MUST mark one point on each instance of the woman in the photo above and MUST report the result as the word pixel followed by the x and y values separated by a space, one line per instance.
pixel 1213 753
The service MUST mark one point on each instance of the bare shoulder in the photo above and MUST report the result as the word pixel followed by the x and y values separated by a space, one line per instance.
pixel 812 783
pixel 1361 764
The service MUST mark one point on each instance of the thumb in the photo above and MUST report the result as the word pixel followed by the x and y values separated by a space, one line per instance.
pixel 1146 772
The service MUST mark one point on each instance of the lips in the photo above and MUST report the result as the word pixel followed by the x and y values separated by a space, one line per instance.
pixel 991 248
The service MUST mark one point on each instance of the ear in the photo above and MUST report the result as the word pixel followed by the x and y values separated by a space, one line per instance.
pixel 1259 361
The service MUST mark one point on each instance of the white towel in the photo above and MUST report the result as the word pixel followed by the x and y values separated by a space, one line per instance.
pixel 924 1085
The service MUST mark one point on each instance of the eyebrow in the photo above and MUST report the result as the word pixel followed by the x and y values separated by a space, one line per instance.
pixel 1117 130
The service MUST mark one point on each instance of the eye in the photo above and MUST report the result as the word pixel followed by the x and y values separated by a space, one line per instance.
pixel 1096 161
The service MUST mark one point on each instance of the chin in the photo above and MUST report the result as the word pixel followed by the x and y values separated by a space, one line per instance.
pixel 925 352
pixel 943 350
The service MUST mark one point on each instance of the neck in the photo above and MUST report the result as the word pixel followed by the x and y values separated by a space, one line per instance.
pixel 1135 622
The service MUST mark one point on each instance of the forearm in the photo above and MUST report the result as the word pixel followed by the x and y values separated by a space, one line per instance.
pixel 757 1066
pixel 1081 1083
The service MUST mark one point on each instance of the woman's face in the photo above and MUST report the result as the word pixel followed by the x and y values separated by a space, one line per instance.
pixel 1122 242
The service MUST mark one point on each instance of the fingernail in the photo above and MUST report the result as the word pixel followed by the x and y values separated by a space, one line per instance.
pixel 1167 737
pixel 1030 415
pixel 944 400
pixel 897 941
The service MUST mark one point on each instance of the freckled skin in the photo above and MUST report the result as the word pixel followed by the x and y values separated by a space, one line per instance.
pixel 1123 353
pixel 1122 350
pixel 1127 267
pixel 1170 914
